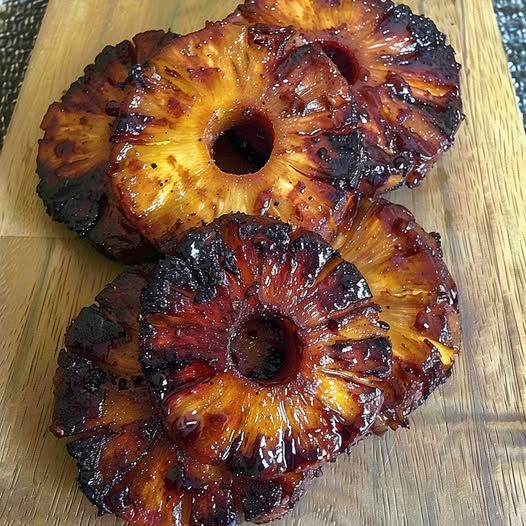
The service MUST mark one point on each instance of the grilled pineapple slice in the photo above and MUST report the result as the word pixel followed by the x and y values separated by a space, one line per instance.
pixel 227 120
pixel 271 353
pixel 264 347
pixel 127 465
pixel 75 149
pixel 262 354
pixel 409 280
pixel 401 73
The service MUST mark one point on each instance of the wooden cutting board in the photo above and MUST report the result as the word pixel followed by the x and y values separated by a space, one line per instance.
pixel 464 461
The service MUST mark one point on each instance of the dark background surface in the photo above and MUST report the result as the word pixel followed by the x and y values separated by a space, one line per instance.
pixel 20 21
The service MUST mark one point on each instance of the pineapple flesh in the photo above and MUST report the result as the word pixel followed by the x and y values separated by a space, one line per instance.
pixel 418 298
pixel 75 149
pixel 260 354
pixel 127 465
pixel 263 346
pixel 402 75
pixel 227 120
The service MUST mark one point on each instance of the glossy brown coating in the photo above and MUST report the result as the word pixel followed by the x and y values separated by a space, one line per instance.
pixel 192 93
pixel 409 280
pixel 403 78
pixel 127 466
pixel 74 152
pixel 243 268
pixel 130 466
pixel 140 476
pixel 99 382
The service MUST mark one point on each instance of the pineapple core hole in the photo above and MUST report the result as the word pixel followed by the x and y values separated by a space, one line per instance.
pixel 266 349
pixel 246 147
pixel 343 60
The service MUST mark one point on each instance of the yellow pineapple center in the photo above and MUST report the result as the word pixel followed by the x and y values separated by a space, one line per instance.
pixel 244 146
pixel 266 349
pixel 343 60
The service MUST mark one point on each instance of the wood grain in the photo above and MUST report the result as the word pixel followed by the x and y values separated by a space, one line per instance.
pixel 464 461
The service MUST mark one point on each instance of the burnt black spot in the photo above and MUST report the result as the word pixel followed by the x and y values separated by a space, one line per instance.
pixel 252 465
pixel 423 30
pixel 313 253
pixel 129 126
pixel 87 454
pixel 120 501
pixel 97 479
pixel 138 77
pixel 447 121
pixel 197 263
pixel 93 335
pixel 260 498
pixel 76 202
pixel 430 51
pixel 346 161
pixel 79 395
pixel 180 478
pixel 266 237
pixel 214 506
pixel 270 239
pixel 343 288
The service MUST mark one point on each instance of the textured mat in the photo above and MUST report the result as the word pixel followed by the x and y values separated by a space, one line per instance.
pixel 20 21
pixel 19 24
pixel 511 15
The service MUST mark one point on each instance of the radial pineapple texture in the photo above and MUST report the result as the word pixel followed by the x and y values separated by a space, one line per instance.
pixel 126 464
pixel 213 443
pixel 192 94
pixel 409 280
pixel 75 149
pixel 243 269
pixel 209 388
pixel 402 76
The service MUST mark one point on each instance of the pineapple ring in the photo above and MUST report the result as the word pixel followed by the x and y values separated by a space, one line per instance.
pixel 198 313
pixel 408 278
pixel 403 77
pixel 126 464
pixel 263 345
pixel 218 122
pixel 75 149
